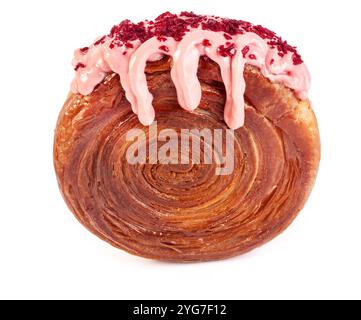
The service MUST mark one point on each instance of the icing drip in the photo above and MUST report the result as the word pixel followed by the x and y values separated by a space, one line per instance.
pixel 277 61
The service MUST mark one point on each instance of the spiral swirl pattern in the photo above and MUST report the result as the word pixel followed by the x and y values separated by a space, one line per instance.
pixel 185 212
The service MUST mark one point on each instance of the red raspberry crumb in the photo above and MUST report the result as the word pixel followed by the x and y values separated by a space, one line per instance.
pixel 161 39
pixel 188 14
pixel 264 33
pixel 227 51
pixel 164 48
pixel 84 50
pixel 100 41
pixel 79 66
pixel 206 43
pixel 245 50
pixel 296 58
pixel 176 26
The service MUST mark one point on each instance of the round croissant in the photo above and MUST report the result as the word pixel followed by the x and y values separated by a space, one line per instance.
pixel 176 212
pixel 197 73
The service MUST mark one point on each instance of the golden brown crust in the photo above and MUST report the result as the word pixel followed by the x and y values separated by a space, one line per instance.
pixel 184 212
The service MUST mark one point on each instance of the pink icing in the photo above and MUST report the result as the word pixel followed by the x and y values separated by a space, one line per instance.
pixel 129 61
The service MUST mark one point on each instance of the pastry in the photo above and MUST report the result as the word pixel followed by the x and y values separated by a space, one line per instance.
pixel 187 73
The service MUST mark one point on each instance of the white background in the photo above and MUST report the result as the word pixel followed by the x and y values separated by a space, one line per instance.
pixel 46 253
